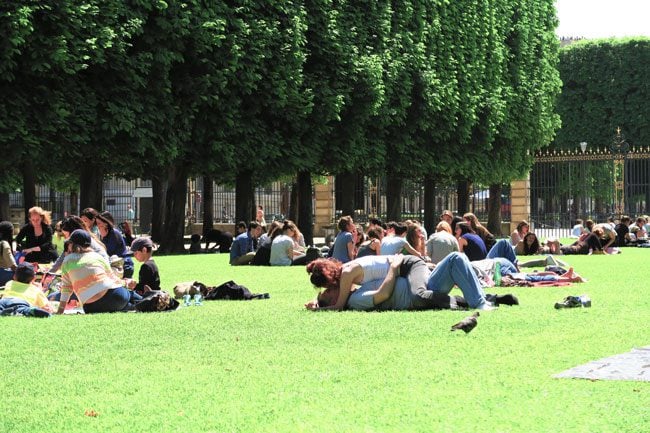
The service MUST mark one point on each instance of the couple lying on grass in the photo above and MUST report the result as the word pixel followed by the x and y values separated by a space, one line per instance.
pixel 406 283
pixel 398 283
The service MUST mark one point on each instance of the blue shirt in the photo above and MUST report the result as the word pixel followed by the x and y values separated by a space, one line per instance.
pixel 341 247
pixel 243 244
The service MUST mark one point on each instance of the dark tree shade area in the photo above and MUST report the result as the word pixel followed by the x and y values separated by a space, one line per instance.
pixel 247 92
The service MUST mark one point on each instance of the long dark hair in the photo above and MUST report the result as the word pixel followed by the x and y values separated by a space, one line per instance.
pixel 465 228
pixel 534 246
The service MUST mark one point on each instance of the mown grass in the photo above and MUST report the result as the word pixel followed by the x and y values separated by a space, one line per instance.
pixel 271 366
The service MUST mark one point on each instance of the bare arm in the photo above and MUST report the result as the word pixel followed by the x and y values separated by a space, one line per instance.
pixel 351 253
pixel 385 291
pixel 348 278
pixel 411 250
pixel 461 244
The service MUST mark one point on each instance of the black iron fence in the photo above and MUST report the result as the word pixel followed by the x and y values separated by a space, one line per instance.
pixel 275 198
pixel 593 184
pixel 372 191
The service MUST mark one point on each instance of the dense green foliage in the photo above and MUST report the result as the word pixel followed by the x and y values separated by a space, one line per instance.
pixel 250 92
pixel 272 366
pixel 605 86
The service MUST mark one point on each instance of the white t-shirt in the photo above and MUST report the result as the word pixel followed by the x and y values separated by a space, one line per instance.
pixel 281 251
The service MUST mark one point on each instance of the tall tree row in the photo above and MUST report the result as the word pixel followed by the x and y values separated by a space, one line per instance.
pixel 250 92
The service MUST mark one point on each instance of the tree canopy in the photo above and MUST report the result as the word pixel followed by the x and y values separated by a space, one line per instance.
pixel 252 91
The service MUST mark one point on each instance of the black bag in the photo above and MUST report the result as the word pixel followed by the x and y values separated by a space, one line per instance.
pixel 232 291
pixel 156 300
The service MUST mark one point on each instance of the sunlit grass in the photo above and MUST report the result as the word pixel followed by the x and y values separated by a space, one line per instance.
pixel 269 365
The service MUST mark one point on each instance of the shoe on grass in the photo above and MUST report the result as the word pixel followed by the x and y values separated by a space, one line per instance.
pixel 569 302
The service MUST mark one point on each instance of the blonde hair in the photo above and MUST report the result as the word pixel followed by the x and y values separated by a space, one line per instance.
pixel 443 226
pixel 45 215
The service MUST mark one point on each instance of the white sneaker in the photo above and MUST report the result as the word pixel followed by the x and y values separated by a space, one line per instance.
pixel 487 306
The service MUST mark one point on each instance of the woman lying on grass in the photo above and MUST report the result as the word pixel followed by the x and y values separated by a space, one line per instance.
pixel 425 287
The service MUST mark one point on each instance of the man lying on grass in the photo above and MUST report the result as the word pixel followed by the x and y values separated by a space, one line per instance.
pixel 416 289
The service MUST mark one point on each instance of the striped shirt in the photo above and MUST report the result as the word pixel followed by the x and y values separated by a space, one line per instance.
pixel 86 274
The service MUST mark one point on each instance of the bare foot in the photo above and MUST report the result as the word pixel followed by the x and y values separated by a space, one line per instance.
pixel 571 275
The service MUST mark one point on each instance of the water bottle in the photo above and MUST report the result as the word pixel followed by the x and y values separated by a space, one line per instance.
pixel 585 301
pixel 187 299
pixel 497 274
pixel 197 299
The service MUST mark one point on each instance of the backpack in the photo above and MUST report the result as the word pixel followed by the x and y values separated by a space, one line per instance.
pixel 232 291
pixel 157 300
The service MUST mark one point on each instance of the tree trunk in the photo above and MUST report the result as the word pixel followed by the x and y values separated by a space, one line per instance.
pixel 305 211
pixel 208 203
pixel 29 188
pixel 494 210
pixel 74 203
pixel 430 213
pixel 5 212
pixel 345 185
pixel 158 190
pixel 463 188
pixel 393 197
pixel 91 185
pixel 244 197
pixel 293 203
pixel 172 237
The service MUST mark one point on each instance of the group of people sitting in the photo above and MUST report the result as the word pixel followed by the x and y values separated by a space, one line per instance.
pixel 592 238
pixel 281 244
pixel 94 262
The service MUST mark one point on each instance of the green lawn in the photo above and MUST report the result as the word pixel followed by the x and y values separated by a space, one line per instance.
pixel 271 366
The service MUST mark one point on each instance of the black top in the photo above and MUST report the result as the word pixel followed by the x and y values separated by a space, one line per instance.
pixel 26 238
pixel 148 276
pixel 621 230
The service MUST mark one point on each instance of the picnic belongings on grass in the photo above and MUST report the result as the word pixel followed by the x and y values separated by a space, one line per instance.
pixel 228 291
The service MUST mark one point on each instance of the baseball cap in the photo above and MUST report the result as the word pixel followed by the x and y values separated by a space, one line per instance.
pixel 139 243
pixel 80 237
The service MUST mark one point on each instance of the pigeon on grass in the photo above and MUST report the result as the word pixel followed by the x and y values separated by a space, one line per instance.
pixel 467 324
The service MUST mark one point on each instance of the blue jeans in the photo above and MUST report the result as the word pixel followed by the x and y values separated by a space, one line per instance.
pixel 9 306
pixel 455 269
pixel 114 300
pixel 503 249
pixel 507 268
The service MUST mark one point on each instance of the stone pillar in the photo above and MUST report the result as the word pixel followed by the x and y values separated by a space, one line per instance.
pixel 519 202
pixel 324 208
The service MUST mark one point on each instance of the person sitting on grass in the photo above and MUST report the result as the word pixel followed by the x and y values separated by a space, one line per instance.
pixel 24 287
pixel 283 248
pixel 469 242
pixel 7 260
pixel 243 247
pixel 89 276
pixel 344 248
pixel 195 244
pixel 441 243
pixel 394 243
pixel 425 285
pixel 372 246
pixel 586 244
pixel 148 277
pixel 114 242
